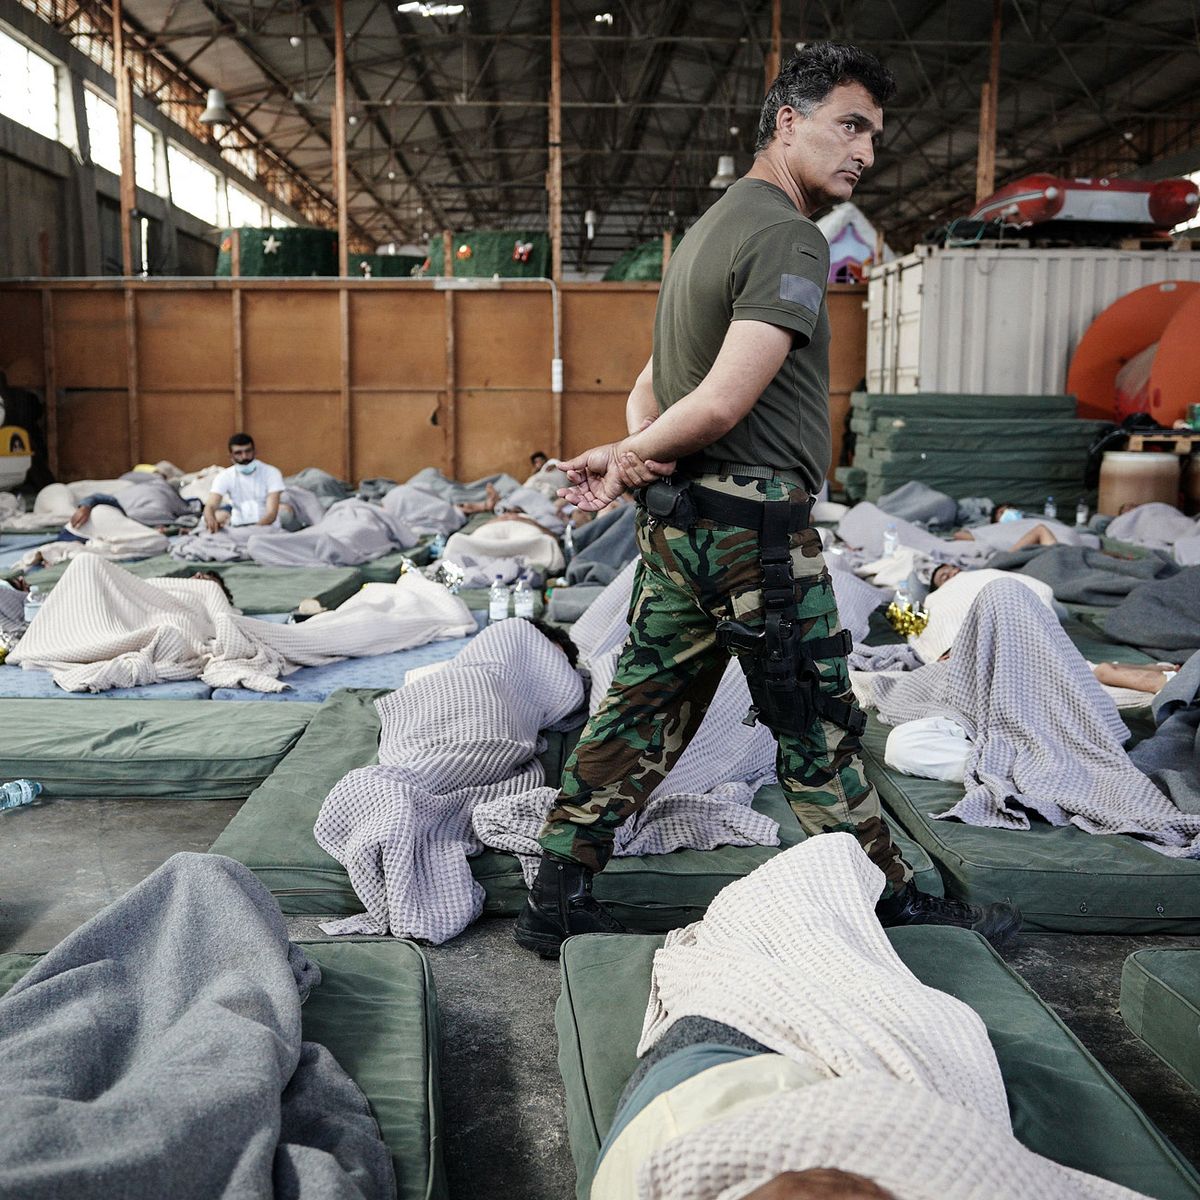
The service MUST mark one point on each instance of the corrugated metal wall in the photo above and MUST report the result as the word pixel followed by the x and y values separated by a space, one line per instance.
pixel 1002 322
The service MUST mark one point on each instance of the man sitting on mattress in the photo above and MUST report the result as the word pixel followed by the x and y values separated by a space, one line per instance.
pixel 246 493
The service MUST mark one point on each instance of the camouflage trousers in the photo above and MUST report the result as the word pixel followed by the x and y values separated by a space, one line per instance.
pixel 668 673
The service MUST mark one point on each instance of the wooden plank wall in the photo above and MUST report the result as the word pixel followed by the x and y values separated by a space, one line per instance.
pixel 360 377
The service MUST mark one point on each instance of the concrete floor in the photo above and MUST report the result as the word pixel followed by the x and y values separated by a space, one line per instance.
pixel 505 1133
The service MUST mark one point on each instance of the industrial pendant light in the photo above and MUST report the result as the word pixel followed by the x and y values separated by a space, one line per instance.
pixel 216 113
pixel 725 174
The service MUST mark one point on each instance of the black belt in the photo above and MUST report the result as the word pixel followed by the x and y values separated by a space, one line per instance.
pixel 786 516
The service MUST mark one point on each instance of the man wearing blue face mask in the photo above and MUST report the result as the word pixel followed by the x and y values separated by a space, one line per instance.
pixel 246 493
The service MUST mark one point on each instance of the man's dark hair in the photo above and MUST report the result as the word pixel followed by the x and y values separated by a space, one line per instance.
pixel 811 74
pixel 560 638
pixel 240 439
pixel 213 577
pixel 538 454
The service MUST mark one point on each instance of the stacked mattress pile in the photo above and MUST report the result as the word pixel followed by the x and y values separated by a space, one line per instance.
pixel 1015 449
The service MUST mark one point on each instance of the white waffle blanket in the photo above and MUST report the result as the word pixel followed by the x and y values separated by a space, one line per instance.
pixel 102 628
pixel 1046 738
pixel 458 771
pixel 794 957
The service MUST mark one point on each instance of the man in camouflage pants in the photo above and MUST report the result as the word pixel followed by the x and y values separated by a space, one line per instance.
pixel 729 438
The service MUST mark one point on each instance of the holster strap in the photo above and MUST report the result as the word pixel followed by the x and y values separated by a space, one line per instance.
pixel 765 517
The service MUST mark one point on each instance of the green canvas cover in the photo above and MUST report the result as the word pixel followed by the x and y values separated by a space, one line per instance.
pixel 376 1012
pixel 494 252
pixel 1160 1002
pixel 147 749
pixel 272 835
pixel 1064 1105
pixel 297 250
pixel 258 590
pixel 1062 879
pixel 643 262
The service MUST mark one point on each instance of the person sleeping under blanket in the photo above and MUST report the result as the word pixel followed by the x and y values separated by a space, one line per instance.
pixel 157 1052
pixel 1042 736
pixel 764 1076
pixel 1011 529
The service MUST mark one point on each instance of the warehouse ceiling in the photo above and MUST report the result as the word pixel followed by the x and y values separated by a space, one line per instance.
pixel 447 114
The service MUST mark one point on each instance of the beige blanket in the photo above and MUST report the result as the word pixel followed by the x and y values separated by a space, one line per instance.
pixel 507 539
pixel 102 627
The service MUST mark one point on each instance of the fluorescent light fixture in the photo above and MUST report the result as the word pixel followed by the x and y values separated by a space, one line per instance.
pixel 431 10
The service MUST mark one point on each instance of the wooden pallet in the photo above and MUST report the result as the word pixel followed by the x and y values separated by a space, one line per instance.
pixel 1180 244
pixel 1177 441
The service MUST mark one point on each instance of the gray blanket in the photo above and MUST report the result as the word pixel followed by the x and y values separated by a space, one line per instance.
pixel 919 503
pixel 433 481
pixel 1161 617
pixel 351 532
pixel 1045 737
pixel 226 545
pixel 324 486
pixel 157 1052
pixel 1078 575
pixel 534 504
pixel 603 547
pixel 864 525
pixel 1171 757
pixel 1157 526
pixel 422 511
pixel 153 501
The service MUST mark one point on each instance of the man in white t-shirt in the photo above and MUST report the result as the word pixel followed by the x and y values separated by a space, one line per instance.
pixel 247 493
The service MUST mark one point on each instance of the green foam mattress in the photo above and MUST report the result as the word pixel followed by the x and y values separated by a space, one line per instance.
pixel 258 590
pixel 161 566
pixel 376 1012
pixel 147 749
pixel 1062 879
pixel 1064 1105
pixel 1160 1002
pixel 272 835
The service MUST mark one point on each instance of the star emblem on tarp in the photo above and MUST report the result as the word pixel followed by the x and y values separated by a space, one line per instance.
pixel 271 245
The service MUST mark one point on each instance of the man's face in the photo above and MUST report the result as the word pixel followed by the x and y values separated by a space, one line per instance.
pixel 241 454
pixel 828 151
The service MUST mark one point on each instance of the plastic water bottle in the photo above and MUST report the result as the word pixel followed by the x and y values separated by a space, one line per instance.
pixel 34 599
pixel 891 541
pixel 497 600
pixel 568 542
pixel 1050 509
pixel 1081 513
pixel 523 599
pixel 19 792
pixel 438 546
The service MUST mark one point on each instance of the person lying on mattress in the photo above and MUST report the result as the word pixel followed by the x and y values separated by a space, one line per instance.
pixel 158 1051
pixel 764 1075
pixel 1017 715
pixel 1011 529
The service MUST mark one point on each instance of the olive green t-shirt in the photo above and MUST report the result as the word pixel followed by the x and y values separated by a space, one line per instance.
pixel 752 257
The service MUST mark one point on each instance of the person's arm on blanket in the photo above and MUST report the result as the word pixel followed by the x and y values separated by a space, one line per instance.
pixel 85 506
pixel 270 509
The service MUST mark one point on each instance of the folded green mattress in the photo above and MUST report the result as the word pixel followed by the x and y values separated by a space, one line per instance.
pixel 147 749
pixel 1064 1105
pixel 258 590
pixel 1062 879
pixel 376 1012
pixel 272 835
pixel 1160 1002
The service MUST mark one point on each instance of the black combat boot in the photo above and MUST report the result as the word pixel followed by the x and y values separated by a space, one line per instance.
pixel 560 903
pixel 999 923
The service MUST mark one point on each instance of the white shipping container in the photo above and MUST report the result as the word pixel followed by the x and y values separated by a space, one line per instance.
pixel 997 322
